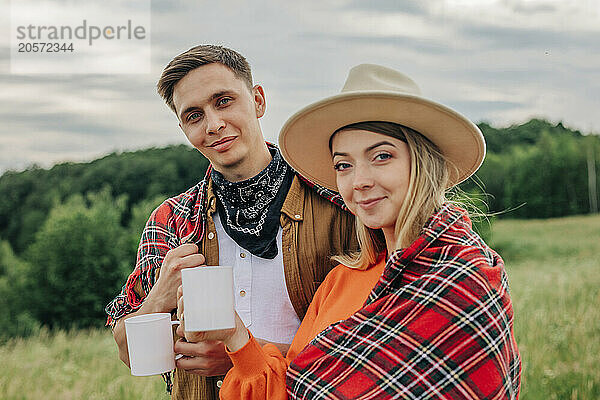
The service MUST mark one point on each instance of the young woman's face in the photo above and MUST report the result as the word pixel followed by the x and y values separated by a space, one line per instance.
pixel 372 174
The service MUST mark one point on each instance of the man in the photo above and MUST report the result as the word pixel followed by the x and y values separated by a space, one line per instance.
pixel 251 211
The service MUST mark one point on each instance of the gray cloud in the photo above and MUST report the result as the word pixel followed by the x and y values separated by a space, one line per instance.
pixel 490 67
pixel 528 8
pixel 165 6
pixel 438 47
pixel 64 122
pixel 497 37
pixel 414 7
pixel 482 109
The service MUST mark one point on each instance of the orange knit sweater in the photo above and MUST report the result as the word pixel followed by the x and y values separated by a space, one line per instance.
pixel 259 373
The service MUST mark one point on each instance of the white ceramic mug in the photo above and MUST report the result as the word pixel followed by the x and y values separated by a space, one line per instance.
pixel 208 298
pixel 150 343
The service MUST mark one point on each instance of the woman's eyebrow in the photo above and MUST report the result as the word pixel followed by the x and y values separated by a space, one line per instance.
pixel 382 143
pixel 368 149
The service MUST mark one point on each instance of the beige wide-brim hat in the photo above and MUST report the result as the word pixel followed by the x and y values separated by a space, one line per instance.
pixel 376 93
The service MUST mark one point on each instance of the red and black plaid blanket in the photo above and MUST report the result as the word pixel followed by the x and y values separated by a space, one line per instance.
pixel 437 325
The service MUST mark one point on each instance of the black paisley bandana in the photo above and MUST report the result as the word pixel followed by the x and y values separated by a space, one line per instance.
pixel 249 210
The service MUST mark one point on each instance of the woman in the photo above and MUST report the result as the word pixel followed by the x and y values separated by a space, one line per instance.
pixel 423 310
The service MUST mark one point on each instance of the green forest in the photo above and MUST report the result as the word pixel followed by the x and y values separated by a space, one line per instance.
pixel 69 234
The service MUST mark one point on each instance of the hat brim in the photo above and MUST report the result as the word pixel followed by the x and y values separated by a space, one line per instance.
pixel 304 138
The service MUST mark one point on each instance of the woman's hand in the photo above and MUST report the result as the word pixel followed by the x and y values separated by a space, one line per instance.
pixel 234 338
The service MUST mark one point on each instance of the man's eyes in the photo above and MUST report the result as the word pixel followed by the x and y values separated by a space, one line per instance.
pixel 194 116
pixel 223 101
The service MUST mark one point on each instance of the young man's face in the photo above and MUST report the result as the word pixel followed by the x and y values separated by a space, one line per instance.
pixel 219 115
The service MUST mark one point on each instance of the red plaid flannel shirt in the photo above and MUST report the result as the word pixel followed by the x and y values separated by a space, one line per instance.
pixel 180 219
pixel 438 324
pixel 176 221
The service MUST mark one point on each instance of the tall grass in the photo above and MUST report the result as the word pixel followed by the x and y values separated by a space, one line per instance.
pixel 554 271
pixel 71 365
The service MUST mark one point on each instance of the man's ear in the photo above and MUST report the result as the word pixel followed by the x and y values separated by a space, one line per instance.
pixel 260 102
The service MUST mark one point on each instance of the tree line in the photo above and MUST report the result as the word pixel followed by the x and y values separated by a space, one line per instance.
pixel 538 170
pixel 69 234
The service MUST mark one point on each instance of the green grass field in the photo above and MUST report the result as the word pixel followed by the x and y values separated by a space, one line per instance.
pixel 554 270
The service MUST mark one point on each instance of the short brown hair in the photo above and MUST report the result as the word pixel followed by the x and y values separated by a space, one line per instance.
pixel 196 57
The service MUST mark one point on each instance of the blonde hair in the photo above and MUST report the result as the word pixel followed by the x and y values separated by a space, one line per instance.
pixel 429 176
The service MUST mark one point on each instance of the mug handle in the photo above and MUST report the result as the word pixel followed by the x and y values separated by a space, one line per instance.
pixel 176 322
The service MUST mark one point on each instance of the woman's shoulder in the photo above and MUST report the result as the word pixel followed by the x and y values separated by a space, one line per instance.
pixel 343 272
pixel 463 264
pixel 339 272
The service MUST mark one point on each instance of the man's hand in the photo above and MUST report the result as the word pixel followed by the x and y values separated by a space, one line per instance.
pixel 206 358
pixel 163 294
pixel 203 352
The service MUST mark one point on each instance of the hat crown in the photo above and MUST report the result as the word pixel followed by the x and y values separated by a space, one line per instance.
pixel 371 77
pixel 377 93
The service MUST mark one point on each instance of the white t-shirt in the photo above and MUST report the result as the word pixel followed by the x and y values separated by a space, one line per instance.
pixel 261 297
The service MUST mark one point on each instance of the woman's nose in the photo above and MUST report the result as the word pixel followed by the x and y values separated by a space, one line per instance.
pixel 362 178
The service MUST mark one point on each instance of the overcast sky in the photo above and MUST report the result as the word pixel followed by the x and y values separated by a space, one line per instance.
pixel 501 61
